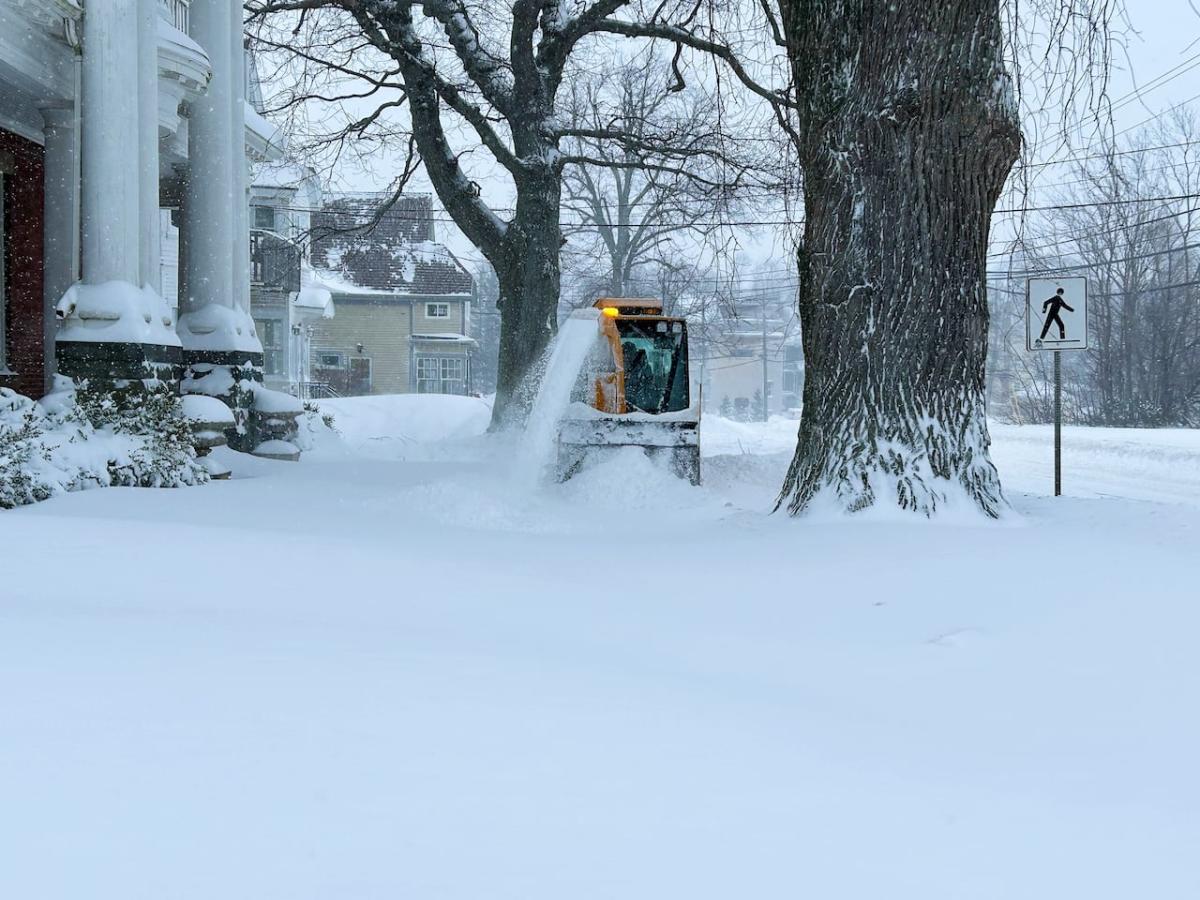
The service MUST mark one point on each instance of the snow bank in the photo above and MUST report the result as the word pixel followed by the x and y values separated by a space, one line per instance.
pixel 406 426
pixel 720 436
pixel 1153 464
pixel 658 696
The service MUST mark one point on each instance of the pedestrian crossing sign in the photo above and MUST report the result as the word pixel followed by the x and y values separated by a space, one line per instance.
pixel 1056 313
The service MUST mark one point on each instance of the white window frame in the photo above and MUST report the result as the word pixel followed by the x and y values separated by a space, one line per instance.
pixel 437 373
pixel 424 363
pixel 343 363
pixel 437 310
pixel 453 370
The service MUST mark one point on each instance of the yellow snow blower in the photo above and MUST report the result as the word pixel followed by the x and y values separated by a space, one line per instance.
pixel 634 390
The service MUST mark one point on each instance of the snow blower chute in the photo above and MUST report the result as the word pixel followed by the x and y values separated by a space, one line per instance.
pixel 634 390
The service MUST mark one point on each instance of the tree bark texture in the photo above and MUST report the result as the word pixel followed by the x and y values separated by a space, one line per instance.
pixel 907 131
pixel 527 267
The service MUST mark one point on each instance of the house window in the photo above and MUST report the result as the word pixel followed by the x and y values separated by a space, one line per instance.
pixel 264 218
pixel 269 334
pixel 330 359
pixel 454 375
pixel 437 310
pixel 441 375
pixel 428 375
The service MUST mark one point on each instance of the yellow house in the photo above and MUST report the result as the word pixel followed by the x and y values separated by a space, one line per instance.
pixel 403 301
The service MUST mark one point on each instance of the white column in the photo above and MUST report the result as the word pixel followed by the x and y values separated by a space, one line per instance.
pixel 109 200
pixel 150 249
pixel 210 198
pixel 61 230
pixel 241 200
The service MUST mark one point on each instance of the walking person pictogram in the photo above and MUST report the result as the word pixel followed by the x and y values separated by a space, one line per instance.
pixel 1054 305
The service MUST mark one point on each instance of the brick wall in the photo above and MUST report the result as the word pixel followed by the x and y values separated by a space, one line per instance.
pixel 23 209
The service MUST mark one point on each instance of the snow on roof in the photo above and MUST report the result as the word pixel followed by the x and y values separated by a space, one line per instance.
pixel 446 338
pixel 386 250
pixel 337 283
pixel 314 299
pixel 282 174
pixel 263 136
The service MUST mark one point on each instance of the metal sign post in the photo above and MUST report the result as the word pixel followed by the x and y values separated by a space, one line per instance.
pixel 1057 423
pixel 1056 320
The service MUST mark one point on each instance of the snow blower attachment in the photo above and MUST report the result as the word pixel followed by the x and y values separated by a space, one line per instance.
pixel 634 390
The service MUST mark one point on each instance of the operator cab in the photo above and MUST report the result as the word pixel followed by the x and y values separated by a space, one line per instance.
pixel 639 363
pixel 653 356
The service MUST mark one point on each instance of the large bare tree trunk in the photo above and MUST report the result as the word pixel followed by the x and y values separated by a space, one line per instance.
pixel 908 131
pixel 529 290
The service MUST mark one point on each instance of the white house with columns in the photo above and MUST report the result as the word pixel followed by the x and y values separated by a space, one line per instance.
pixel 112 111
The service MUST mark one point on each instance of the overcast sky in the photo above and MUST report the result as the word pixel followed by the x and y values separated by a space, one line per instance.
pixel 1159 38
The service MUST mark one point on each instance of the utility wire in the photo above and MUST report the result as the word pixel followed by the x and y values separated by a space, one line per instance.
pixel 748 223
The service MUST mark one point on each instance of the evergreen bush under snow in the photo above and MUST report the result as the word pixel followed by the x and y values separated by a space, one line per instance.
pixel 72 440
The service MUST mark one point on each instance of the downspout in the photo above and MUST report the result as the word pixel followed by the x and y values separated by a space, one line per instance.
pixel 75 42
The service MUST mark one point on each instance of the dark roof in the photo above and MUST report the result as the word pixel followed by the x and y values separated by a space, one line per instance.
pixel 398 253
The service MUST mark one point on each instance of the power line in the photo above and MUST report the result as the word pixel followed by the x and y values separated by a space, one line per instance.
pixel 1092 234
pixel 744 223
pixel 1136 94
pixel 1139 291
pixel 1157 115
pixel 1108 262
pixel 1155 83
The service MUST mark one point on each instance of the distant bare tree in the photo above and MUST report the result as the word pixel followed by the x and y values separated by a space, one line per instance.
pixel 1141 255
pixel 635 215
pixel 496 69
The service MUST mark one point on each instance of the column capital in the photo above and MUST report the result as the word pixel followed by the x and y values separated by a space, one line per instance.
pixel 60 114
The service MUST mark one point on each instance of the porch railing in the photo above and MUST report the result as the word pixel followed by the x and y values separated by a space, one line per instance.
pixel 316 390
pixel 274 261
pixel 176 12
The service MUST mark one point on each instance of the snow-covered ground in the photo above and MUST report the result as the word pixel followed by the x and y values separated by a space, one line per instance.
pixel 387 671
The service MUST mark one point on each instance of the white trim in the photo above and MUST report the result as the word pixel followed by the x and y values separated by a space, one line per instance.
pixel 445 368
pixel 20 127
pixel 342 365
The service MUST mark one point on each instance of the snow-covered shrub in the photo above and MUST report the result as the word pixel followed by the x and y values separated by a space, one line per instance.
pixel 313 426
pixel 22 453
pixel 132 436
pixel 315 411
pixel 150 412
